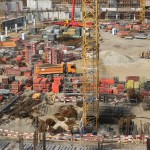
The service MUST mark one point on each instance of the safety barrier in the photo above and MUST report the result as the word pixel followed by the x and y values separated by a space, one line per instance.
pixel 78 137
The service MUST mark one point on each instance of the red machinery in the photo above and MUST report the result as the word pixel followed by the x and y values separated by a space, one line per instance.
pixel 72 22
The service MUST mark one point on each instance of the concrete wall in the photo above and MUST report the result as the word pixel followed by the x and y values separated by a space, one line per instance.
pixel 12 5
pixel 52 15
pixel 147 2
pixel 33 4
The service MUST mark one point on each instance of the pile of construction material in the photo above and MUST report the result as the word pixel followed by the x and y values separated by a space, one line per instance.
pixel 44 85
pixel 128 31
pixel 146 103
pixel 72 85
pixel 20 109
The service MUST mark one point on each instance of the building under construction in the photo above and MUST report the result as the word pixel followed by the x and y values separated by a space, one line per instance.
pixel 74 75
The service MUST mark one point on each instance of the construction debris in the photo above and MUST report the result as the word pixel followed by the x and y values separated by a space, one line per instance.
pixel 68 111
pixel 70 122
pixel 50 122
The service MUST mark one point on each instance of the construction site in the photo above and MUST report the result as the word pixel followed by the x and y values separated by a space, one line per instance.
pixel 74 75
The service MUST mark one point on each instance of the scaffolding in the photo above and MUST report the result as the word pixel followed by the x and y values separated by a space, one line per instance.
pixel 90 55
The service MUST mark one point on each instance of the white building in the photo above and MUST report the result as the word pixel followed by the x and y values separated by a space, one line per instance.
pixel 46 4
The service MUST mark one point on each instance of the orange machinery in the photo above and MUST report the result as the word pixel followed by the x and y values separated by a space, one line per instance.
pixel 48 70
pixel 8 44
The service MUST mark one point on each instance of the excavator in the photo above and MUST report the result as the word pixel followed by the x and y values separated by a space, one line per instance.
pixel 145 55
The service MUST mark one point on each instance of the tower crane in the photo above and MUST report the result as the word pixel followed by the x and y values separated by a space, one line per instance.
pixel 142 10
pixel 90 57
pixel 1 17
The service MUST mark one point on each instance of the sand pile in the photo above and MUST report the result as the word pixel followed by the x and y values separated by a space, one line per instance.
pixel 114 58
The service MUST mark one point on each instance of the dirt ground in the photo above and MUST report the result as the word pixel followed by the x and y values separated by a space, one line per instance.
pixel 126 49
pixel 132 48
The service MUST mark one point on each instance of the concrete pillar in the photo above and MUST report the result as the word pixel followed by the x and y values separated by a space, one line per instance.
pixel 34 22
pixel 41 17
pixel 16 27
pixel 58 15
pixel 81 15
pixel 47 15
pixel 6 31
pixel 116 16
pixel 134 17
pixel 25 25
pixel 32 17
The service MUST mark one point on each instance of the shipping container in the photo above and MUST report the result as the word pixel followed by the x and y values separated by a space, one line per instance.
pixel 130 84
pixel 137 85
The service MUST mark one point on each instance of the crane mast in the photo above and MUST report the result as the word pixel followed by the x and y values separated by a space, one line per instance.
pixel 90 58
pixel 1 17
pixel 142 10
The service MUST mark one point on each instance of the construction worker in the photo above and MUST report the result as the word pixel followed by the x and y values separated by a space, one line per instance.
pixel 66 23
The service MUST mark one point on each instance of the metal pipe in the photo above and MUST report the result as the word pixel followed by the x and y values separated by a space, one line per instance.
pixel 73 9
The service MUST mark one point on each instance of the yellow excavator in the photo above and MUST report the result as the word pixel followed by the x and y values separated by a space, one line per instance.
pixel 36 96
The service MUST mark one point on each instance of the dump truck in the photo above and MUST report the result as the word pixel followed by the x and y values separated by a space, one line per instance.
pixel 8 44
pixel 49 70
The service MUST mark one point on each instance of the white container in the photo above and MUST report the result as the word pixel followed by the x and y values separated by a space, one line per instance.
pixel 23 36
pixel 40 52
pixel 114 31
pixel 3 38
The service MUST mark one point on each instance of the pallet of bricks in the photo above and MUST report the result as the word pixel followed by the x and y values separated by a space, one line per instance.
pixel 57 84
pixel 106 86
pixel 144 86
pixel 111 86
pixel 29 84
pixel 68 86
pixel 6 81
pixel 13 72
pixel 16 87
pixel 77 84
pixel 42 85
pixel 53 56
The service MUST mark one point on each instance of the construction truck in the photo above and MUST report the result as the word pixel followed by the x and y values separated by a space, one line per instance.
pixel 49 70
pixel 145 55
